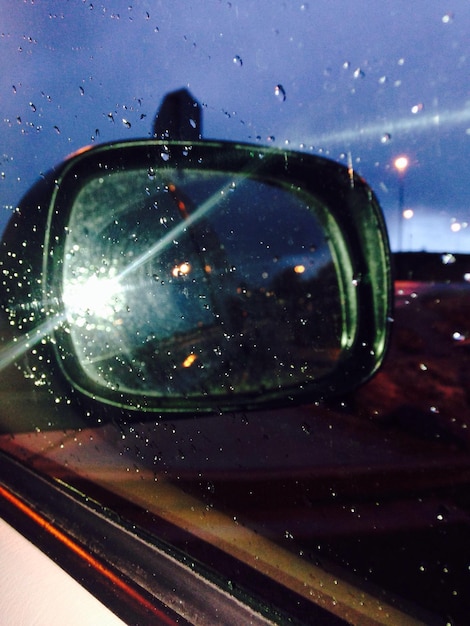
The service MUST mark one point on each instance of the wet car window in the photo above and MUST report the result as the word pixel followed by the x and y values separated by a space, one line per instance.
pixel 369 489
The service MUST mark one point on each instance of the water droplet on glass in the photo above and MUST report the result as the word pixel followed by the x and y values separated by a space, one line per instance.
pixel 126 123
pixel 33 107
pixel 271 139
pixel 237 61
pixel 280 93
pixel 358 73
pixel 442 513
pixel 417 108
pixel 448 18
pixel 57 130
pixel 386 138
pixel 448 259
pixel 82 91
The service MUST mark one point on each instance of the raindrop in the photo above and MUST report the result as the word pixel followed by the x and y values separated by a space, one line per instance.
pixel 33 107
pixel 358 73
pixel 383 80
pixel 448 259
pixel 126 123
pixel 57 130
pixel 271 139
pixel 237 61
pixel 417 108
pixel 280 93
pixel 306 428
pixel 442 513
pixel 448 18
pixel 386 138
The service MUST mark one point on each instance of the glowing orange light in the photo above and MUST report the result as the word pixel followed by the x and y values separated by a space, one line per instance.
pixel 189 360
pixel 299 269
pixel 401 163
pixel 79 151
pixel 181 270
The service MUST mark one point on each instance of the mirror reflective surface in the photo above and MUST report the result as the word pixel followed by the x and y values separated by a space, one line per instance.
pixel 197 283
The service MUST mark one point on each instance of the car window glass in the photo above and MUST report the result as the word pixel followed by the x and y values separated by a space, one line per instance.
pixel 375 483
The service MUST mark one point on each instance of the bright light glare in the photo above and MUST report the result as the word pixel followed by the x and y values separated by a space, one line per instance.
pixel 183 269
pixel 96 296
pixel 100 296
pixel 299 269
pixel 401 163
pixel 408 214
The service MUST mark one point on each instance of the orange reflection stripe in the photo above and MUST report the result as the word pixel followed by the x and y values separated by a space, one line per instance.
pixel 83 554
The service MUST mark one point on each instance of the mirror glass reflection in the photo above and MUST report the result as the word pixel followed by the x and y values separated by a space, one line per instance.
pixel 196 283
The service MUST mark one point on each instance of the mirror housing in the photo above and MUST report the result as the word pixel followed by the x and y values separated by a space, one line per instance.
pixel 189 276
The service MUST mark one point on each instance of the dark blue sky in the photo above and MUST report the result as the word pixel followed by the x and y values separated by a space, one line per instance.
pixel 363 82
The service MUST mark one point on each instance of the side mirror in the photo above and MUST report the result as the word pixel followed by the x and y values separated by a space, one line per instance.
pixel 201 276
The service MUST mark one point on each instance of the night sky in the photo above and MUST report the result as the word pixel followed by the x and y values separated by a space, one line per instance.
pixel 361 83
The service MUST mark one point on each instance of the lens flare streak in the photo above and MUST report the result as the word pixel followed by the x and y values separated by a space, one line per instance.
pixel 421 123
pixel 19 346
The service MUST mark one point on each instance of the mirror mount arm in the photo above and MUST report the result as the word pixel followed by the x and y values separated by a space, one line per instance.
pixel 179 117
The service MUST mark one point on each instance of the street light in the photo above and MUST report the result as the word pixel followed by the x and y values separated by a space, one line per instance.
pixel 401 164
